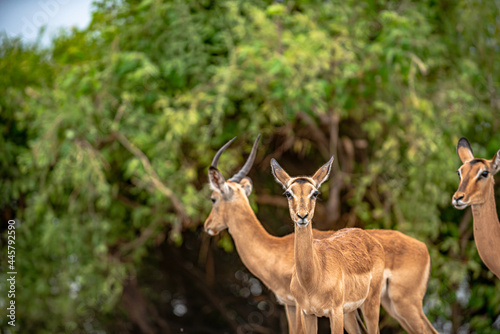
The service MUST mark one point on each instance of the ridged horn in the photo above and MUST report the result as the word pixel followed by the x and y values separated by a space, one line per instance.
pixel 248 165
pixel 215 161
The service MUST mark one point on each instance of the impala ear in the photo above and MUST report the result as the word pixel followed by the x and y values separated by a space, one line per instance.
pixel 464 150
pixel 217 181
pixel 246 184
pixel 496 162
pixel 322 174
pixel 279 173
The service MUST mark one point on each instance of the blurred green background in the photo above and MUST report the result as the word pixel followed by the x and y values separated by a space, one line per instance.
pixel 107 134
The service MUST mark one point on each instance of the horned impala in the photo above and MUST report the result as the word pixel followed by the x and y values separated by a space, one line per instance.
pixel 476 189
pixel 407 261
pixel 271 258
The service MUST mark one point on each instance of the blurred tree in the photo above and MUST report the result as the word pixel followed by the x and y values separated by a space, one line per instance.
pixel 107 136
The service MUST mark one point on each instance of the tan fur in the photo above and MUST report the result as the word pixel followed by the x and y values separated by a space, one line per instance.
pixel 477 190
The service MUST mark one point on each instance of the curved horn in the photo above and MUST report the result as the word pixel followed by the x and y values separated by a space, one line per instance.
pixel 215 161
pixel 246 167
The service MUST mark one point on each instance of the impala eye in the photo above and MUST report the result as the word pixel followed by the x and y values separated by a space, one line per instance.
pixel 288 194
pixel 458 173
pixel 213 200
pixel 485 173
pixel 315 194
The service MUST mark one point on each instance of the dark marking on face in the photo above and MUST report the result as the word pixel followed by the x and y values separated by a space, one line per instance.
pixel 464 181
pixel 301 180
pixel 475 161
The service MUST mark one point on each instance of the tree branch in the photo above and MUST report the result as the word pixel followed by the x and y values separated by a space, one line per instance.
pixel 178 207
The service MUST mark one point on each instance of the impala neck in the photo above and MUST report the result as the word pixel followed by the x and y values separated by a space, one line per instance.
pixel 487 232
pixel 264 255
pixel 306 261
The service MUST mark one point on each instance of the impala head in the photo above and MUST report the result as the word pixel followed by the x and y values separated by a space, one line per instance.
pixel 476 175
pixel 301 191
pixel 226 194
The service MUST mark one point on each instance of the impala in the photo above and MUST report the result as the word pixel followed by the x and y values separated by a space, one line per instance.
pixel 335 275
pixel 271 258
pixel 476 189
pixel 407 261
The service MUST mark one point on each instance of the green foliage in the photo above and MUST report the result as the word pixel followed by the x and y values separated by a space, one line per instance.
pixel 154 87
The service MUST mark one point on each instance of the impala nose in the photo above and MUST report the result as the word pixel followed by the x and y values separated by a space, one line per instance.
pixel 303 216
pixel 458 202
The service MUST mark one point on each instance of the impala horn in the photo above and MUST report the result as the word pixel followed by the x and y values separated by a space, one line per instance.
pixel 215 161
pixel 248 165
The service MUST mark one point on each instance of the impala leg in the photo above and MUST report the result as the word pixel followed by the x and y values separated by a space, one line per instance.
pixel 410 316
pixel 371 308
pixel 310 323
pixel 406 309
pixel 428 328
pixel 307 324
pixel 291 318
pixel 337 321
pixel 352 325
pixel 416 321
pixel 371 312
pixel 299 321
